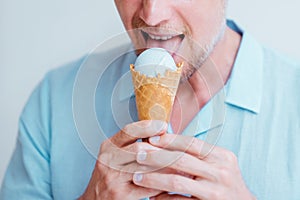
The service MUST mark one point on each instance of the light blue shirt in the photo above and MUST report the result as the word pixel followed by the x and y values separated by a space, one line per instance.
pixel 69 114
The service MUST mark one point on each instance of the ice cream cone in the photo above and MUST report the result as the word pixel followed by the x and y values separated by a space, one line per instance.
pixel 155 95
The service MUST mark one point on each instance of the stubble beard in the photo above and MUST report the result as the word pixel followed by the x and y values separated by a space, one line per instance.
pixel 199 53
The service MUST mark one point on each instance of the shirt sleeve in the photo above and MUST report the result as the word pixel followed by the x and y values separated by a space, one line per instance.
pixel 28 175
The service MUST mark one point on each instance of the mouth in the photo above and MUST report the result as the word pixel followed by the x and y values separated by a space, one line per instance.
pixel 171 41
pixel 161 37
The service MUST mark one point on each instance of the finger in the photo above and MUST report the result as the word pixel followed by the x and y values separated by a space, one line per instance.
pixel 181 162
pixel 122 175
pixel 173 183
pixel 131 191
pixel 141 129
pixel 131 168
pixel 118 189
pixel 167 196
pixel 136 192
pixel 116 157
pixel 188 144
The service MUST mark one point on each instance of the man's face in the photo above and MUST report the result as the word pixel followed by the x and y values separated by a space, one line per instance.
pixel 188 29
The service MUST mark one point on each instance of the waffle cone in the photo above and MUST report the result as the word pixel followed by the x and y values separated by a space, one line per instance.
pixel 155 95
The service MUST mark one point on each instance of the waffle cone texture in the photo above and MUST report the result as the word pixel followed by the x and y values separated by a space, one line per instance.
pixel 155 95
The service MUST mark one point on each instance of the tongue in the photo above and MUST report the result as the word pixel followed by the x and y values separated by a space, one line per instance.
pixel 170 45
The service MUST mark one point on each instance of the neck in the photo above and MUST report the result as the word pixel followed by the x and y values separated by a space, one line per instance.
pixel 206 82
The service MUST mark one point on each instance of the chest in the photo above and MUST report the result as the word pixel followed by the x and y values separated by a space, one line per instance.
pixel 268 154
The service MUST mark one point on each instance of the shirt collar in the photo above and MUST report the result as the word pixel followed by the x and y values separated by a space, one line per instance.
pixel 244 87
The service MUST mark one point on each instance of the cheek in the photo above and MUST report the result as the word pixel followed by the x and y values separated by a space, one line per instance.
pixel 201 14
pixel 127 10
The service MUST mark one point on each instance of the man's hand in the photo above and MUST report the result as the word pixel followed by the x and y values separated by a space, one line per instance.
pixel 112 176
pixel 203 176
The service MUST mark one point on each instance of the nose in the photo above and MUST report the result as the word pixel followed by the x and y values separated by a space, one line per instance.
pixel 154 12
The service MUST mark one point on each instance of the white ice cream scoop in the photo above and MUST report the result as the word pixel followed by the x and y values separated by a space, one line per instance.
pixel 154 61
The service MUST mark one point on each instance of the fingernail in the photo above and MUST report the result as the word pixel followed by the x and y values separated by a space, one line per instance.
pixel 137 177
pixel 141 156
pixel 154 139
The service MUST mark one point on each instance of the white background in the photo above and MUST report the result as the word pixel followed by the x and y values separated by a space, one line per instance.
pixel 36 36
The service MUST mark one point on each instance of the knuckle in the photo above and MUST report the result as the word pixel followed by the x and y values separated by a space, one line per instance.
pixel 143 123
pixel 224 174
pixel 165 141
pixel 100 169
pixel 126 129
pixel 216 195
pixel 230 156
pixel 108 180
pixel 103 159
pixel 131 131
pixel 136 147
pixel 140 125
pixel 195 145
pixel 107 160
pixel 106 146
pixel 151 126
pixel 176 184
pixel 103 146
pixel 141 146
pixel 114 193
pixel 181 161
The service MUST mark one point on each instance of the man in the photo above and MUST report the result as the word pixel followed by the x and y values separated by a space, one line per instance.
pixel 256 154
